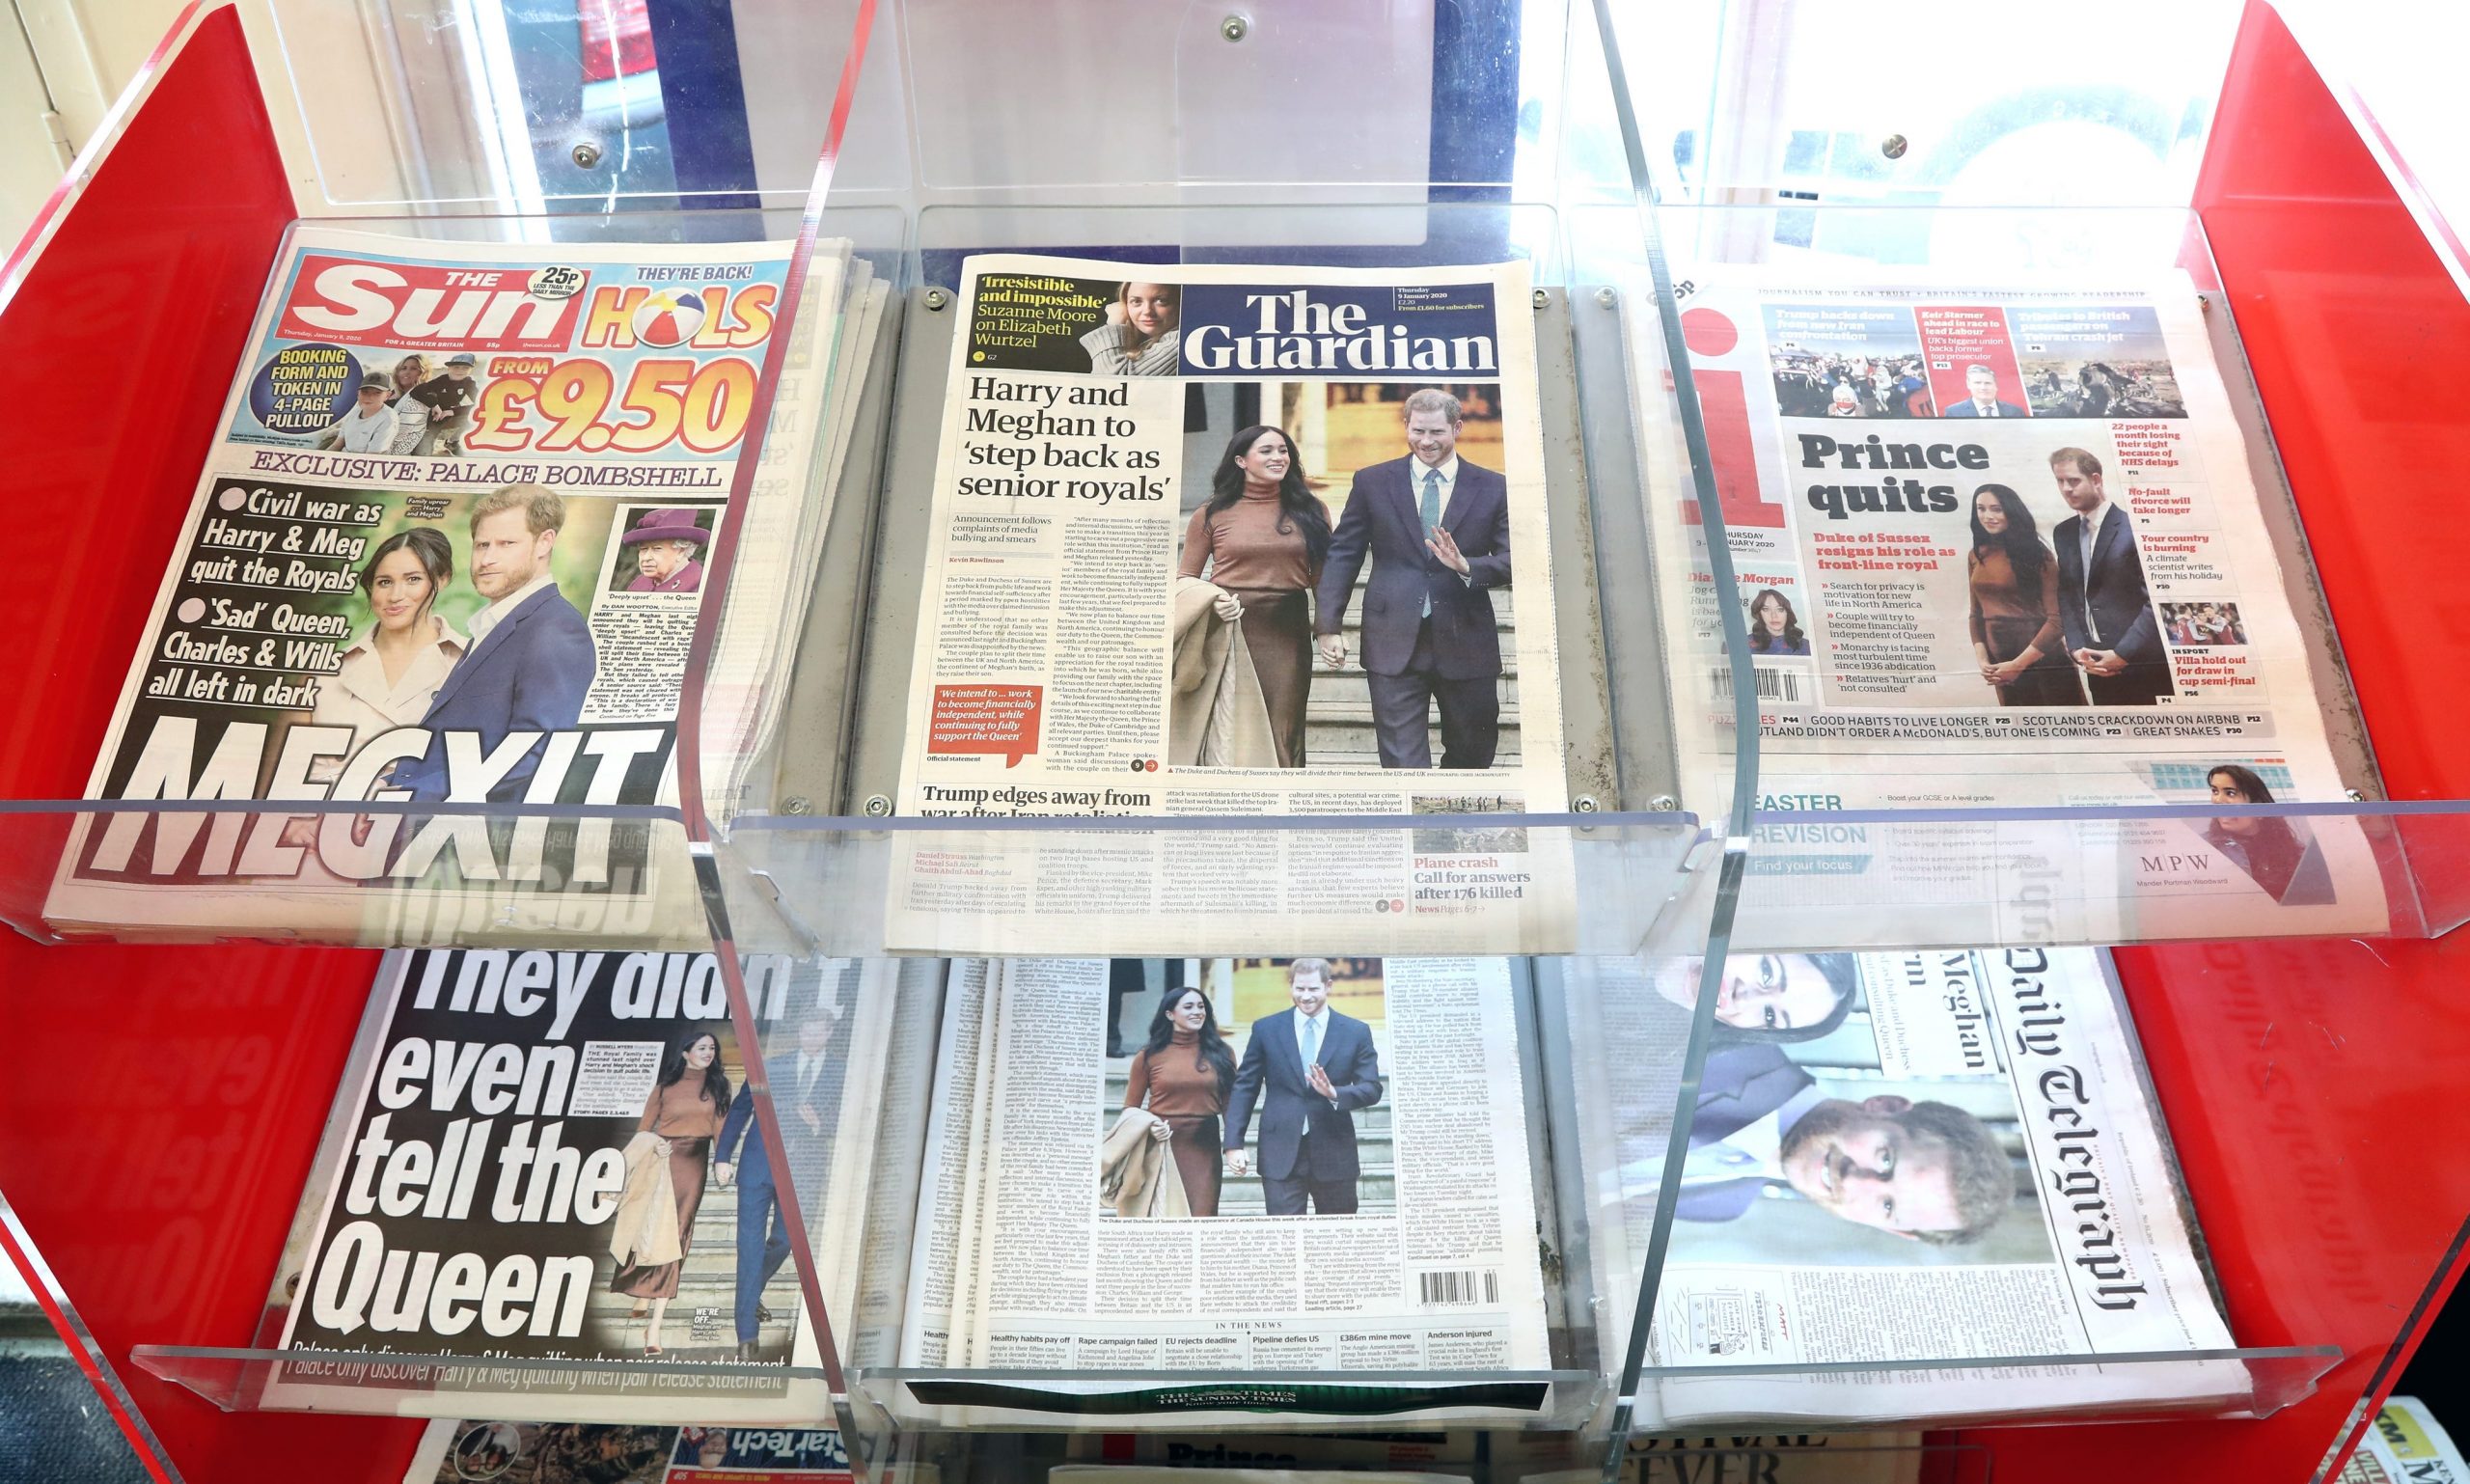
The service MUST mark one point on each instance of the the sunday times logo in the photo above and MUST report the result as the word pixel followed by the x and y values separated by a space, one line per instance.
pixel 1420 328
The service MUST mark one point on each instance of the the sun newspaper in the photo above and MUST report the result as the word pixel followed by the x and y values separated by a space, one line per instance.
pixel 450 547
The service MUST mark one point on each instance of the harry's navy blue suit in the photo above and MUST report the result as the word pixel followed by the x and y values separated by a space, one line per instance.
pixel 1308 1145
pixel 529 675
pixel 1743 1083
pixel 1410 661
pixel 2122 607
pixel 762 1239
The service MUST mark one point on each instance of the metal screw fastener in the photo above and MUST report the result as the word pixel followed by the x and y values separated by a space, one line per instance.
pixel 797 804
pixel 1606 297
pixel 1585 804
pixel 586 154
pixel 878 806
pixel 1234 28
pixel 2355 796
pixel 1542 298
pixel 1894 145
pixel 936 298
pixel 1664 803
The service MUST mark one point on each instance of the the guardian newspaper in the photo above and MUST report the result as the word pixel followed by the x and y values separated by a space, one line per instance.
pixel 1307 1164
pixel 1236 543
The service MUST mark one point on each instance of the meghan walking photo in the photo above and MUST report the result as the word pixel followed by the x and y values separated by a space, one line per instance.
pixel 1250 1087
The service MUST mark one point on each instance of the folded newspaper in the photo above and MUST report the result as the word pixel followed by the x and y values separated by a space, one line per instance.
pixel 2405 1445
pixel 2036 574
pixel 540 1157
pixel 450 547
pixel 1966 1135
pixel 1733 1458
pixel 501 1452
pixel 1242 543
pixel 1298 1167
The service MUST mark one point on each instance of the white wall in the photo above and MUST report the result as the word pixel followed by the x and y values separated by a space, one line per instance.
pixel 63 62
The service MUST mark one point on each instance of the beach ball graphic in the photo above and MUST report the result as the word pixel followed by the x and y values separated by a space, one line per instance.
pixel 669 317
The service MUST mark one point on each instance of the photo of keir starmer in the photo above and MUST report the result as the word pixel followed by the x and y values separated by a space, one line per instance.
pixel 1282 1116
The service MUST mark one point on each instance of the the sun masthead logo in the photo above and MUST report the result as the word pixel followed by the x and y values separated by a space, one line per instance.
pixel 408 306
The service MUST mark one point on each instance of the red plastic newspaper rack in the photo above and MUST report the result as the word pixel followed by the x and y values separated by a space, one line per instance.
pixel 170 1094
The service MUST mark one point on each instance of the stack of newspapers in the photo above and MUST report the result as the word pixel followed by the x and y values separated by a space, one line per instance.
pixel 1193 1192
pixel 1224 543
pixel 1995 547
pixel 450 547
pixel 541 1158
pixel 1966 1135
pixel 1296 1168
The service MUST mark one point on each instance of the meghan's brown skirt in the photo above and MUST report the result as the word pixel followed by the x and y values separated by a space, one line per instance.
pixel 2052 680
pixel 1277 631
pixel 688 1159
pixel 1198 1159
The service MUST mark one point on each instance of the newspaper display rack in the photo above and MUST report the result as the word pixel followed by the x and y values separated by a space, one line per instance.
pixel 156 1219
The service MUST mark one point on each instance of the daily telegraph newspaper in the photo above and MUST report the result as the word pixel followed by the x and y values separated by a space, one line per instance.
pixel 2405 1445
pixel 1995 547
pixel 1966 1135
pixel 540 1156
pixel 1235 542
pixel 449 546
pixel 472 1452
pixel 1228 1165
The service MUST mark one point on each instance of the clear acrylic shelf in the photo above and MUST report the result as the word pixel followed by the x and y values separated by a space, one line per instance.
pixel 1588 1063
pixel 387 1382
pixel 2283 1062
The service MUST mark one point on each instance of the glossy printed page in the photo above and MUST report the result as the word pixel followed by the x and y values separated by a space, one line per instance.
pixel 560 1158
pixel 449 549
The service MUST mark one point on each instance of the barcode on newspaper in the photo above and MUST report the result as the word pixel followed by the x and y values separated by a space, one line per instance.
pixel 1773 684
pixel 1461 1285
